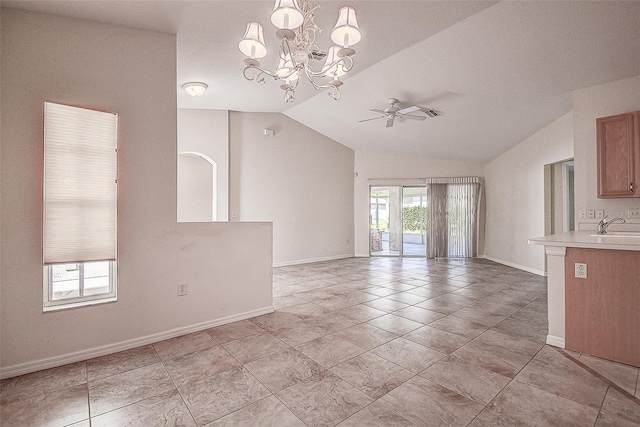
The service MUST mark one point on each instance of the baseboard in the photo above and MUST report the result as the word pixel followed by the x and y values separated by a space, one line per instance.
pixel 514 265
pixel 308 261
pixel 52 362
pixel 555 341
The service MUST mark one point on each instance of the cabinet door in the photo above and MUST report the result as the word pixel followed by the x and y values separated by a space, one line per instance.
pixel 618 155
pixel 603 311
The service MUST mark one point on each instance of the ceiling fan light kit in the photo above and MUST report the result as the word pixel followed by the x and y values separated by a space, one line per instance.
pixel 393 111
pixel 297 51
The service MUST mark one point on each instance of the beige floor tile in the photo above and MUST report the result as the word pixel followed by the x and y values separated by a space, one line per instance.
pixel 381 291
pixel 442 341
pixel 395 324
pixel 624 376
pixel 323 400
pixel 426 293
pixel 199 364
pixel 372 375
pixel 407 298
pixel 164 410
pixel 333 322
pixel 386 304
pixel 366 336
pixel 273 321
pixel 536 407
pixel 459 326
pixel 217 396
pixel 361 312
pixel 255 347
pixel 428 404
pixel 283 369
pixel 233 331
pixel 63 407
pixel 297 333
pixel 184 344
pixel 307 311
pixel 418 314
pixel 121 362
pixel 495 358
pixel 43 382
pixel 376 415
pixel 473 382
pixel 330 350
pixel 621 407
pixel 551 371
pixel 489 418
pixel 408 354
pixel 446 304
pixel 116 391
pixel 268 412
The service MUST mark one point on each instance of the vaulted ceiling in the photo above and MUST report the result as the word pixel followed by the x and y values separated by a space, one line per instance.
pixel 497 71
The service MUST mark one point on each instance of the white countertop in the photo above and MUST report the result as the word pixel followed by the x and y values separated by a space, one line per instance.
pixel 583 239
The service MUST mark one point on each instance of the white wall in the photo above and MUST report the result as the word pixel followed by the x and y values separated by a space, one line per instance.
pixel 515 195
pixel 195 189
pixel 385 169
pixel 608 99
pixel 132 72
pixel 205 132
pixel 298 179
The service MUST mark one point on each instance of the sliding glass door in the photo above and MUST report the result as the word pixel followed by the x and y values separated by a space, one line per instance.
pixel 438 220
pixel 414 221
pixel 386 221
pixel 398 221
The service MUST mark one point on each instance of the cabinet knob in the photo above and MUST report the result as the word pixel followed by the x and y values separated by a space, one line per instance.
pixel 631 187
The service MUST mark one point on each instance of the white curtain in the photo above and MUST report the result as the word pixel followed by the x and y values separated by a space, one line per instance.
pixel 452 226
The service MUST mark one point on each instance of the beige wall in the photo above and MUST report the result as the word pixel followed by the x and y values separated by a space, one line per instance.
pixel 385 169
pixel 298 179
pixel 195 189
pixel 515 195
pixel 132 72
pixel 588 104
pixel 205 132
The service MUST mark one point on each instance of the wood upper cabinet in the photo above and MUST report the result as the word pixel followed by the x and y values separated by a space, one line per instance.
pixel 618 155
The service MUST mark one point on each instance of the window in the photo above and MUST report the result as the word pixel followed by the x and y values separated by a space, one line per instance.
pixel 80 207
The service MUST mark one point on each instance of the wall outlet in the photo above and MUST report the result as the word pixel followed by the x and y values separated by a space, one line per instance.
pixel 583 214
pixel 599 213
pixel 182 289
pixel 591 214
pixel 581 270
pixel 633 213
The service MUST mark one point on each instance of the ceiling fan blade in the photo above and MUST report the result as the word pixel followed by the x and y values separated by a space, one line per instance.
pixel 407 116
pixel 375 110
pixel 390 121
pixel 375 118
pixel 408 110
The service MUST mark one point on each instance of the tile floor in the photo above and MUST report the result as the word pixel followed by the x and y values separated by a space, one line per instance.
pixel 356 342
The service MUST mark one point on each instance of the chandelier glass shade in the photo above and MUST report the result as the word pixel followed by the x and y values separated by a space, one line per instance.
pixel 298 53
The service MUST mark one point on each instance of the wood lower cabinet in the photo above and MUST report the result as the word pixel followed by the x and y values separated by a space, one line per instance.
pixel 602 312
pixel 618 139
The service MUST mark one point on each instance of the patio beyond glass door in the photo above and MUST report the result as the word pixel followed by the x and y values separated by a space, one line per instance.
pixel 386 221
pixel 398 218
pixel 414 221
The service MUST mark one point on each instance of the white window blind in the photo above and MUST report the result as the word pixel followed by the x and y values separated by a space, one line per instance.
pixel 80 194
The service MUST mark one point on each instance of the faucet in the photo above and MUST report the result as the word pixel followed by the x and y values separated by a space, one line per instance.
pixel 603 225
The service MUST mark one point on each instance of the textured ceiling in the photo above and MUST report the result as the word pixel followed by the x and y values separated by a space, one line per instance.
pixel 498 72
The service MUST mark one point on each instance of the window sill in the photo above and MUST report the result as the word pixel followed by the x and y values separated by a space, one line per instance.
pixel 78 304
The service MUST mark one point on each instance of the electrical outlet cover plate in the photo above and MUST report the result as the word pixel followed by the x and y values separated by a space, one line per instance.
pixel 182 289
pixel 580 270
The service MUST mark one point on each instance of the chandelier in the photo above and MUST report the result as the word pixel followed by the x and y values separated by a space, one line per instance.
pixel 298 53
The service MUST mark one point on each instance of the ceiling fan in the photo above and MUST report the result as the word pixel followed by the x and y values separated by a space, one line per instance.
pixel 393 111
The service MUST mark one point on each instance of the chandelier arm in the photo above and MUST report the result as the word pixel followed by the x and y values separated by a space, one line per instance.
pixel 258 77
